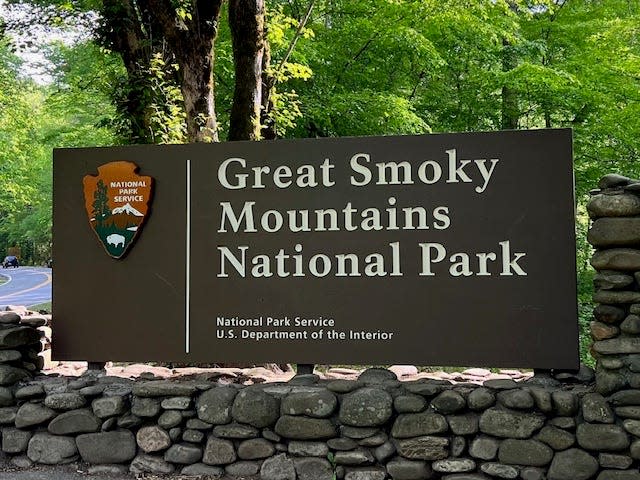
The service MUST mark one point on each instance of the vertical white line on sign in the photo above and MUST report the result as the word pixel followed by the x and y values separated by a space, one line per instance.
pixel 188 260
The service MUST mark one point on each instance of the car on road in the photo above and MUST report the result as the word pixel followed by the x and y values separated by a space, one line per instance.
pixel 10 261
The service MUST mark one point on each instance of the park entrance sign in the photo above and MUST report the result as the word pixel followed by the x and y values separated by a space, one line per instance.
pixel 455 249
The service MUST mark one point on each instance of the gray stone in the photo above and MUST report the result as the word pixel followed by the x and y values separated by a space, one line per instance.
pixel 517 398
pixel 465 476
pixel 484 448
pixel 51 449
pixel 612 363
pixel 466 424
pixel 500 384
pixel 202 470
pixel 29 392
pixel 376 376
pixel 235 431
pixel 565 403
pixel 303 428
pixel 341 443
pixel 510 424
pixel 109 424
pixel 256 408
pixel 193 436
pixel 214 405
pixel 18 337
pixel 424 448
pixel 374 441
pixel 620 205
pixel 279 467
pixel 8 415
pixel 448 402
pixel 541 398
pixel 602 437
pixel 319 404
pixel 30 414
pixel 271 436
pixel 458 445
pixel 129 421
pixel 107 447
pixel 614 232
pixel 524 452
pixel 609 381
pixel 616 296
pixel 343 386
pixel 353 457
pixel 107 470
pixel 14 440
pixel 628 412
pixel 409 403
pixel 595 409
pixel 481 399
pixel 625 259
pixel 403 469
pixel 314 449
pixel 625 397
pixel 573 464
pixel 384 451
pixel 9 356
pixel 74 422
pixel 609 314
pixel 499 470
pixel 176 403
pixel 164 388
pixel 312 468
pixel 304 379
pixel 153 439
pixel 255 448
pixel 6 397
pixel 632 426
pixel 169 419
pixel 610 280
pixel 425 388
pixel 92 391
pixel 618 475
pixel 242 469
pixel 634 450
pixel 555 437
pixel 9 318
pixel 366 473
pixel 610 460
pixel 21 461
pixel 145 407
pixel 34 321
pixel 219 452
pixel 197 424
pixel 358 433
pixel 409 425
pixel 366 407
pixel 455 465
pixel 106 407
pixel 143 463
pixel 10 375
pixel 603 331
pixel 183 454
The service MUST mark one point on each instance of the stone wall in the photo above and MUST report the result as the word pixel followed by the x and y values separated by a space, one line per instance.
pixel 615 233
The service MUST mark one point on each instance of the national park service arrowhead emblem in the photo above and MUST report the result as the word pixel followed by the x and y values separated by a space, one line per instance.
pixel 118 202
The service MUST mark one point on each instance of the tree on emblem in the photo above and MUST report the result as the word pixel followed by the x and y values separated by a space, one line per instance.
pixel 100 203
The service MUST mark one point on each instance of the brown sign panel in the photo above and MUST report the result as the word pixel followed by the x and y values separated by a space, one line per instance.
pixel 454 249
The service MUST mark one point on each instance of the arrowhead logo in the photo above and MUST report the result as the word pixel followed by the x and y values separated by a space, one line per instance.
pixel 118 202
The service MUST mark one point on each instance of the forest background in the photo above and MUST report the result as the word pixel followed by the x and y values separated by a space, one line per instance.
pixel 117 72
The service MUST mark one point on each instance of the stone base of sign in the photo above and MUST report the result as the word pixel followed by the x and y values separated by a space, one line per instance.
pixel 549 426
pixel 615 234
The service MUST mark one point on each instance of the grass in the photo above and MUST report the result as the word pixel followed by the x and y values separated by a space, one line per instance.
pixel 41 306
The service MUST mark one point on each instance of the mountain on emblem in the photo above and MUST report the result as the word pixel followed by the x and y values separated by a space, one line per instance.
pixel 118 202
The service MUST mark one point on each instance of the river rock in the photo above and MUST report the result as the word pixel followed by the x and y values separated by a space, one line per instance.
pixel 621 205
pixel 366 407
pixel 319 449
pixel 312 468
pixel 106 407
pixel 214 405
pixel 153 439
pixel 164 388
pixel 524 452
pixel 255 449
pixel 11 375
pixel 601 437
pixel 183 454
pixel 14 440
pixel 573 464
pixel 107 447
pixel 510 424
pixel 52 449
pixel 143 463
pixel 409 425
pixel 279 467
pixel 424 448
pixel 625 259
pixel 219 452
pixel 255 407
pixel 484 448
pixel 30 414
pixel 403 469
pixel 304 428
pixel 320 404
pixel 74 422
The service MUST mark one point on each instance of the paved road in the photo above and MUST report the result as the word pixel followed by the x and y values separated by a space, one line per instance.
pixel 26 286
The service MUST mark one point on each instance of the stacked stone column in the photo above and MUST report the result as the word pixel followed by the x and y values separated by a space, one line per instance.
pixel 615 234
pixel 20 345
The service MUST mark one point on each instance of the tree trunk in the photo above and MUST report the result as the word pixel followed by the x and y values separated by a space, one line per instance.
pixel 124 34
pixel 246 20
pixel 510 113
pixel 191 40
pixel 268 85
